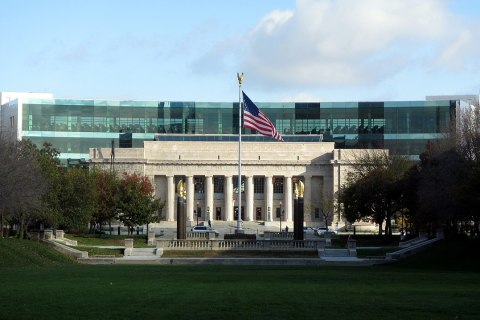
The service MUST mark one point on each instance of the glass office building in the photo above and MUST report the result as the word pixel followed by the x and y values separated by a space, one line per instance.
pixel 74 126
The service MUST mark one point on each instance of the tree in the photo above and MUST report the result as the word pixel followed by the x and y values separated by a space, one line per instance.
pixel 441 177
pixel 77 199
pixel 50 214
pixel 467 133
pixel 21 184
pixel 373 192
pixel 327 208
pixel 137 204
pixel 107 189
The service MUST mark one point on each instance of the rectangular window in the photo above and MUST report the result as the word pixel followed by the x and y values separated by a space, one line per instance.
pixel 278 212
pixel 198 184
pixel 278 185
pixel 258 184
pixel 218 183
pixel 235 184
pixel 317 213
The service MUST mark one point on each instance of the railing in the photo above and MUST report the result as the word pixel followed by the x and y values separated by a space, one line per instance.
pixel 278 235
pixel 278 245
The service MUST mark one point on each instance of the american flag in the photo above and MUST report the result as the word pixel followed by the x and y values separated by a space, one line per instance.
pixel 254 119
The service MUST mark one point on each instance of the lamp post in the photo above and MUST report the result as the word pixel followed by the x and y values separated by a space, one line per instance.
pixel 280 216
pixel 197 212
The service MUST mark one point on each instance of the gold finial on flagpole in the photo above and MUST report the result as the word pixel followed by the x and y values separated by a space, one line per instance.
pixel 240 78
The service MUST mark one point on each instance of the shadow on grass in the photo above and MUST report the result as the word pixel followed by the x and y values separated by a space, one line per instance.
pixel 457 254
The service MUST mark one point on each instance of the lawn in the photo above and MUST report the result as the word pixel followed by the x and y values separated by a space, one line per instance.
pixel 139 241
pixel 427 286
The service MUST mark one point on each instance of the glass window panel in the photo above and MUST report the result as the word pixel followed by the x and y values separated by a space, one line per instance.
pixel 258 185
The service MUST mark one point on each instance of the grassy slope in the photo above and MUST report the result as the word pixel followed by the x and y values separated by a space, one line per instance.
pixel 451 255
pixel 16 253
pixel 422 287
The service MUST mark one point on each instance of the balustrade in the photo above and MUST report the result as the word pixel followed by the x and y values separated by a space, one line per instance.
pixel 232 244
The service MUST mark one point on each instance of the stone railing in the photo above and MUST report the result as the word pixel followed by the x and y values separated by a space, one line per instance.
pixel 278 245
pixel 278 235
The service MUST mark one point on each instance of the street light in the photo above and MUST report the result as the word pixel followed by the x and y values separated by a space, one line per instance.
pixel 197 212
pixel 280 216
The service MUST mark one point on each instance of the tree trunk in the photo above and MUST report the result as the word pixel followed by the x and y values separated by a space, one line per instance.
pixel 388 226
pixel 21 230
pixel 1 223
pixel 380 231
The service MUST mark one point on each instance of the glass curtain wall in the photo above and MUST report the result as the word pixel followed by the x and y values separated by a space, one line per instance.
pixel 74 126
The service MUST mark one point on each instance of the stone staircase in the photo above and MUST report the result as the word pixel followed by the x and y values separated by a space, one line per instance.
pixel 337 253
pixel 143 252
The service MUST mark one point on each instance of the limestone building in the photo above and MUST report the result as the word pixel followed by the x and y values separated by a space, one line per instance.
pixel 210 170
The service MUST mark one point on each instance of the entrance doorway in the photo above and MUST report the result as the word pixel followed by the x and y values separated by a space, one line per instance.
pixel 235 213
pixel 218 213
pixel 258 213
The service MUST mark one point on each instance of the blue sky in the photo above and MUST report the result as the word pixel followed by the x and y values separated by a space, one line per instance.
pixel 191 50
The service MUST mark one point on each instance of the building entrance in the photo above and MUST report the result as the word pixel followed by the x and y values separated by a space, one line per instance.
pixel 218 213
pixel 235 213
pixel 258 213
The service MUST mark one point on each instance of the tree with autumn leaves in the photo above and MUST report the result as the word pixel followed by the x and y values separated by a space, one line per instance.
pixel 37 191
pixel 136 202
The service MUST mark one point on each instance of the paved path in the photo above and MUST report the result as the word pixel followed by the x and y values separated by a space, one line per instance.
pixel 331 261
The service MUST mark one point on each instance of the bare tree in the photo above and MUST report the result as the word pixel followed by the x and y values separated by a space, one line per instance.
pixel 21 183
pixel 468 133
pixel 327 208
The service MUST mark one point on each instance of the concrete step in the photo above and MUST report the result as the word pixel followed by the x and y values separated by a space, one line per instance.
pixel 336 253
pixel 143 252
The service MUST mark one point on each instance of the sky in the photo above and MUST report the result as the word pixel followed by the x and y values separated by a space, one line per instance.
pixel 288 51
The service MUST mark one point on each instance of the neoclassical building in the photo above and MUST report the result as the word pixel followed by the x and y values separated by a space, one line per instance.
pixel 210 170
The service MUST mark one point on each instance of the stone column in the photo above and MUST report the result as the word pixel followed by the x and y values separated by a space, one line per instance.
pixel 268 199
pixel 190 198
pixel 170 198
pixel 287 199
pixel 307 198
pixel 209 197
pixel 249 200
pixel 228 198
pixel 330 187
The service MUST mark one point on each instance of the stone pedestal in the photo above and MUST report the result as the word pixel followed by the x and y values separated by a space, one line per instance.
pixel 239 231
pixel 48 234
pixel 181 219
pixel 128 247
pixel 352 247
pixel 59 234
pixel 298 219
pixel 151 238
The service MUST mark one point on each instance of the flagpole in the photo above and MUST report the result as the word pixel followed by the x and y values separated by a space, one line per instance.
pixel 239 180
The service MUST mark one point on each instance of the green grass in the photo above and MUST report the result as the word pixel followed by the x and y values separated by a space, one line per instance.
pixel 441 283
pixel 92 251
pixel 16 253
pixel 139 241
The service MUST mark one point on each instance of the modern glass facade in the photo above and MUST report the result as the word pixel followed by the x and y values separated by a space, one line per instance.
pixel 74 126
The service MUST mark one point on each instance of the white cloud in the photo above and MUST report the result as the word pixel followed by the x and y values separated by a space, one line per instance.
pixel 351 42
